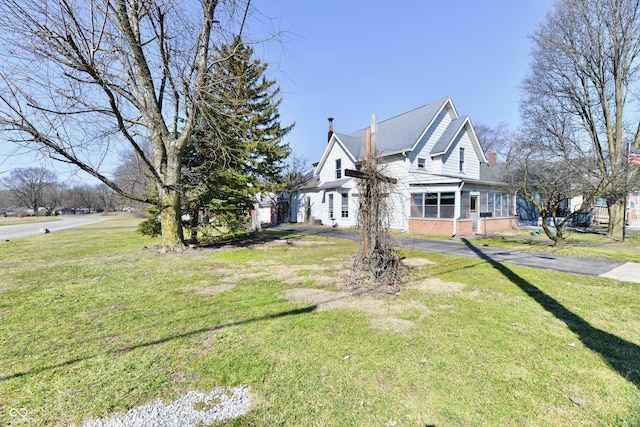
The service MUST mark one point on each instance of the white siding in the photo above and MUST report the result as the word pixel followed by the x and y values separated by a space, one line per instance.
pixel 398 167
pixel 319 207
pixel 429 140
pixel 451 159
pixel 439 174
pixel 328 171
pixel 316 205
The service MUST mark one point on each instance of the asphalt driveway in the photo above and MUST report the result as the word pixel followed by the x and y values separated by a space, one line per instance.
pixel 629 272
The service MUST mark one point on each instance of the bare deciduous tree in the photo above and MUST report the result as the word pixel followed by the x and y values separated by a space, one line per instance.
pixel 82 79
pixel 497 139
pixel 584 66
pixel 52 197
pixel 84 197
pixel 132 176
pixel 29 184
pixel 294 172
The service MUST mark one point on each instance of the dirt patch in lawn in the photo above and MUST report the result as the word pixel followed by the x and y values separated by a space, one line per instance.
pixel 435 285
pixel 417 262
pixel 386 313
pixel 330 273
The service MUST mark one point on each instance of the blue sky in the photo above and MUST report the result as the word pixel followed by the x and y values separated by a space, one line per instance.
pixel 348 59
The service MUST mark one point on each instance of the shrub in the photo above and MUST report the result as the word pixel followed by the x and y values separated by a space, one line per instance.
pixel 151 226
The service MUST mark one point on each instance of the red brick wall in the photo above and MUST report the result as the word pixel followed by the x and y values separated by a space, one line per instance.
pixel 444 227
pixel 495 225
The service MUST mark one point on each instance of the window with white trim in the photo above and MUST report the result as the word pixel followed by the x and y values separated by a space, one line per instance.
pixel 433 205
pixel 461 159
pixel 338 168
pixel 345 205
pixel 421 163
pixel 495 203
pixel 331 206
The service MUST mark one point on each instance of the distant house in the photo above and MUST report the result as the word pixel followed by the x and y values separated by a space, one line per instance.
pixel 435 156
pixel 269 208
pixel 596 213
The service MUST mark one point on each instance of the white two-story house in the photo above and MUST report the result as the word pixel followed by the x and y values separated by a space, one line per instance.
pixel 434 155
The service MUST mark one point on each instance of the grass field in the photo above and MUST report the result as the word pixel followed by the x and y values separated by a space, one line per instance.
pixel 94 322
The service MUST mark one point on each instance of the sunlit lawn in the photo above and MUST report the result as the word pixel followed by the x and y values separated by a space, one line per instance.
pixel 92 324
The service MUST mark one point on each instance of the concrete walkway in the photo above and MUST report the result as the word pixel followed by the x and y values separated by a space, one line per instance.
pixel 627 272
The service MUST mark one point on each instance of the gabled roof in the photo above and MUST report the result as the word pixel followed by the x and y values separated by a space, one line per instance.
pixel 493 173
pixel 402 132
pixel 344 141
pixel 309 182
pixel 449 135
pixel 352 144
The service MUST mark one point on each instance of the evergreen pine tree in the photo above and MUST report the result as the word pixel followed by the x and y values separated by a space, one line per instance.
pixel 238 150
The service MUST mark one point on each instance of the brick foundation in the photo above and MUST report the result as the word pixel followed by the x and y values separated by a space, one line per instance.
pixel 464 227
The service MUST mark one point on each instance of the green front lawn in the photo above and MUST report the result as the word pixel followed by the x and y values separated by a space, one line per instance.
pixel 93 324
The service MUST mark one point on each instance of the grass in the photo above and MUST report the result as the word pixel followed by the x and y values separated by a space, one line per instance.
pixel 93 324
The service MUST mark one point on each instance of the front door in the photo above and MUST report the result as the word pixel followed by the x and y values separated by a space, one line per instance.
pixel 473 212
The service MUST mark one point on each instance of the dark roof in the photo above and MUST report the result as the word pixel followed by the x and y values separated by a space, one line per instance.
pixel 448 136
pixel 493 173
pixel 397 134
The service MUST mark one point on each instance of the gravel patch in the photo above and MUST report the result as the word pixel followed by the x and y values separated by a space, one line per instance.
pixel 193 408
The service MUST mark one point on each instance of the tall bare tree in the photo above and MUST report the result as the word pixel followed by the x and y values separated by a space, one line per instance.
pixel 29 184
pixel 81 79
pixel 53 196
pixel 84 196
pixel 584 67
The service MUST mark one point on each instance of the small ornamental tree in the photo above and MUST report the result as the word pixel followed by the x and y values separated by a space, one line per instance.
pixel 547 186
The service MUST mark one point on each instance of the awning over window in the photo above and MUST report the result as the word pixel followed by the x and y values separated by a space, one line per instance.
pixel 334 184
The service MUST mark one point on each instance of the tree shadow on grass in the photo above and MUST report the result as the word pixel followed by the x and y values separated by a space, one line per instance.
pixel 621 355
pixel 127 349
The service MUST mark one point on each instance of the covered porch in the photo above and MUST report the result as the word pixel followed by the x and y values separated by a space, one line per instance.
pixel 461 208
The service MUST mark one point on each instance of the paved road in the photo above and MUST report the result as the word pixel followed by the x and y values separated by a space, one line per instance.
pixel 629 271
pixel 9 232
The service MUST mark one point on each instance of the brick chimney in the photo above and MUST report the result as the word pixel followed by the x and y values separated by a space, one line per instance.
pixel 330 129
pixel 493 159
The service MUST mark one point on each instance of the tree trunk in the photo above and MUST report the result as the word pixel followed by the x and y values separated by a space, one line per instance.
pixel 616 219
pixel 170 206
pixel 558 240
pixel 170 220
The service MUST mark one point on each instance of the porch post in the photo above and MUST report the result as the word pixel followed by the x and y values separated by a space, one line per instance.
pixel 456 208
